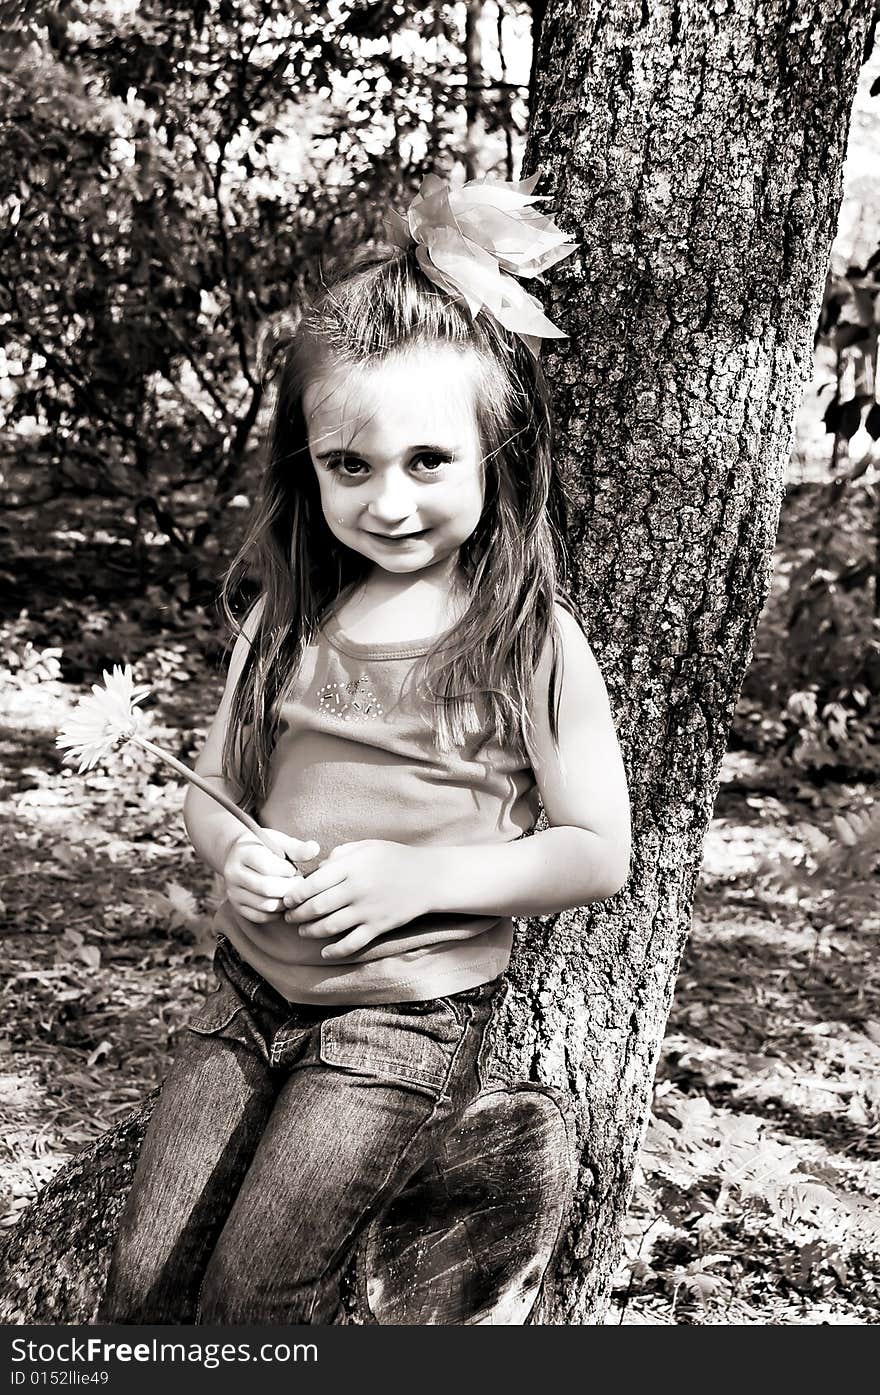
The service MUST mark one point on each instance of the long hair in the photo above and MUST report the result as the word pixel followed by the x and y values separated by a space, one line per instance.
pixel 512 568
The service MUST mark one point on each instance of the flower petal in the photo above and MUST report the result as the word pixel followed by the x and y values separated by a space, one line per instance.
pixel 430 208
pixel 475 272
pixel 526 244
pixel 471 240
pixel 434 274
pixel 523 313
pixel 500 193
pixel 397 228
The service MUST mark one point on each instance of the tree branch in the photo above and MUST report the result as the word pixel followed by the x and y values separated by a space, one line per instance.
pixel 214 177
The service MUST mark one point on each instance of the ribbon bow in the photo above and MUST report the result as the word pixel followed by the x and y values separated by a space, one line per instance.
pixel 473 241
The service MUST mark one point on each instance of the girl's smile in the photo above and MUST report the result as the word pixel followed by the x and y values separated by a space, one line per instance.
pixel 399 538
pixel 397 452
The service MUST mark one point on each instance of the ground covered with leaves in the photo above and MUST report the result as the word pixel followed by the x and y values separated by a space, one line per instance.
pixel 757 1197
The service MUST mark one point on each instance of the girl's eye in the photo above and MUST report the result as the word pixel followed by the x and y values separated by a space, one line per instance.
pixel 353 468
pixel 350 466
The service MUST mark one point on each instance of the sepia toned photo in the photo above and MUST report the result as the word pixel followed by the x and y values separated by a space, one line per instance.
pixel 439 668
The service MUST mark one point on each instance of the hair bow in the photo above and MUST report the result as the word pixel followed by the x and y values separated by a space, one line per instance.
pixel 472 242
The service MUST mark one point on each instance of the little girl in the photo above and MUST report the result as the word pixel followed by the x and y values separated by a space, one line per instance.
pixel 405 688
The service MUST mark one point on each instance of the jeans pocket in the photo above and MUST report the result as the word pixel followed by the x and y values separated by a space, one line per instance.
pixel 425 1007
pixel 391 1044
pixel 225 1016
pixel 217 1011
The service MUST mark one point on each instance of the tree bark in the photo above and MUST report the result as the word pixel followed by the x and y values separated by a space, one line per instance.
pixel 538 9
pixel 696 153
pixel 473 93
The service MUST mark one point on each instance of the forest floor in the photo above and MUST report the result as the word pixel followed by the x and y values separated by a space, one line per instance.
pixel 757 1199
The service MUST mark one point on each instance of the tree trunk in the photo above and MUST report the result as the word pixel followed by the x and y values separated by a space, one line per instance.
pixel 473 93
pixel 538 9
pixel 696 153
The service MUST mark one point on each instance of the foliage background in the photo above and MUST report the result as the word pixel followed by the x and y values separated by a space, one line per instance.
pixel 169 177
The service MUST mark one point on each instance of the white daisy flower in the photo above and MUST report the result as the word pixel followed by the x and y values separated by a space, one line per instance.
pixel 100 721
pixel 110 715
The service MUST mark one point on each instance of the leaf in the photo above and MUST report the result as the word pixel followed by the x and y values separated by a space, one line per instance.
pixel 844 832
pixel 809 1201
pixel 701 1285
pixel 77 1135
pixel 90 956
pixel 103 1049
pixel 183 905
pixel 850 418
pixel 857 1112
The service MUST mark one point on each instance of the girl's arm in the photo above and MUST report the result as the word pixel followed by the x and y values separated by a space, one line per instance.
pixel 211 830
pixel 256 879
pixel 584 855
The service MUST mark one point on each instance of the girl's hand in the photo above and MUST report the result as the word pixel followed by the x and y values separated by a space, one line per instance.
pixel 365 888
pixel 257 880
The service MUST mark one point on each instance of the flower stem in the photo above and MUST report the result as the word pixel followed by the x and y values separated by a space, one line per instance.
pixel 201 784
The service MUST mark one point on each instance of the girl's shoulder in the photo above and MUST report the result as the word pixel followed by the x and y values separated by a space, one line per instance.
pixel 569 629
pixel 567 657
pixel 242 641
pixel 566 614
pixel 252 619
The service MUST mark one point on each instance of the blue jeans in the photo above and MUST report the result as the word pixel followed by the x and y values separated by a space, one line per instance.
pixel 281 1131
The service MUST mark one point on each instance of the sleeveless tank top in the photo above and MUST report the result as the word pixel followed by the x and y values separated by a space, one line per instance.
pixel 355 758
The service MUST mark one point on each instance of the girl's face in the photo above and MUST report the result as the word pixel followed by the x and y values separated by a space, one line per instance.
pixel 396 449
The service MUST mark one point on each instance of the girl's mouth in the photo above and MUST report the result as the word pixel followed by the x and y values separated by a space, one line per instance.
pixel 400 538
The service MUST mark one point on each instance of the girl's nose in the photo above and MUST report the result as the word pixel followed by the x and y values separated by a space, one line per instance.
pixel 392 501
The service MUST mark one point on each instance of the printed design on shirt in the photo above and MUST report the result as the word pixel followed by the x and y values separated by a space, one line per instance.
pixel 353 702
